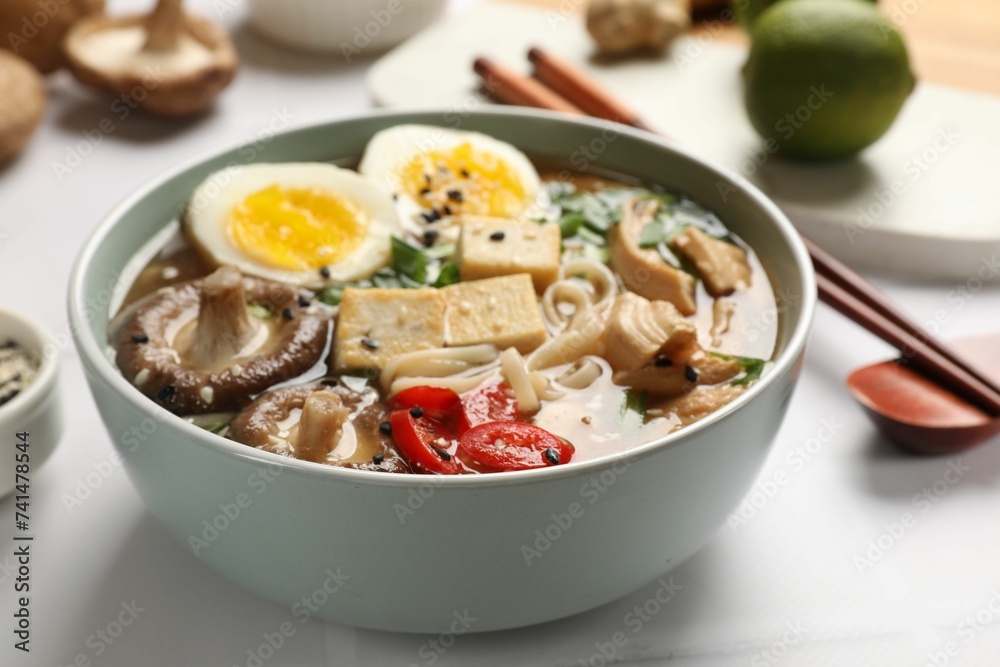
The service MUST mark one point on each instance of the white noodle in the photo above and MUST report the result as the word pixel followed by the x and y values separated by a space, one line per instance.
pixel 581 375
pixel 560 293
pixel 543 388
pixel 457 383
pixel 515 370
pixel 581 338
pixel 437 362
pixel 600 277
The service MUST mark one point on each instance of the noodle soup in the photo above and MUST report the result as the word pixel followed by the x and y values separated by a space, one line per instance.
pixel 449 307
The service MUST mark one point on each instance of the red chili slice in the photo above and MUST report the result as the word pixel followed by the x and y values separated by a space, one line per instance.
pixel 437 402
pixel 501 446
pixel 487 403
pixel 423 442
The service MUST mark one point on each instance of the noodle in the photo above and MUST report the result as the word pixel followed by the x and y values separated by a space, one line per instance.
pixel 437 362
pixel 581 375
pixel 513 367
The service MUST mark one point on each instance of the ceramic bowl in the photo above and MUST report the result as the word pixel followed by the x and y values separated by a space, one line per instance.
pixel 414 553
pixel 350 28
pixel 36 410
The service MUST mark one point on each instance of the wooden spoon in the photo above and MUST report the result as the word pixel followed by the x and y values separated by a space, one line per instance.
pixel 919 415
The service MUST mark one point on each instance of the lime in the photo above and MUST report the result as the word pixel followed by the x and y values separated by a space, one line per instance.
pixel 825 78
pixel 747 11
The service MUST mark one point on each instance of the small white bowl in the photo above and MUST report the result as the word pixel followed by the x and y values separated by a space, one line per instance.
pixel 351 28
pixel 36 410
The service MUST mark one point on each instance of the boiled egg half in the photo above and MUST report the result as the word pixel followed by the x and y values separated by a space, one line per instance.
pixel 441 172
pixel 299 223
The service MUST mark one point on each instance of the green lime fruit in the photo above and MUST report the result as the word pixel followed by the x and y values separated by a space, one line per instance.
pixel 747 11
pixel 825 78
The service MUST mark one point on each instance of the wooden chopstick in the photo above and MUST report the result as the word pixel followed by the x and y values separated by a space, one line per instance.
pixel 507 86
pixel 846 278
pixel 839 286
pixel 916 350
pixel 572 84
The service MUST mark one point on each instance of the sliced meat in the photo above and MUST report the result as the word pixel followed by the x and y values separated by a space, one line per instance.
pixel 639 330
pixel 643 270
pixel 723 266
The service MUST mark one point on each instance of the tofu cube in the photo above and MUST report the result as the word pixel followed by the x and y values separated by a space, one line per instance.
pixel 491 247
pixel 502 311
pixel 374 325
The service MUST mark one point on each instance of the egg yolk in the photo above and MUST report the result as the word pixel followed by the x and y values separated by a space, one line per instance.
pixel 297 229
pixel 465 180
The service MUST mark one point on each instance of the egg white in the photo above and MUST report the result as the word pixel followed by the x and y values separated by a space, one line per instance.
pixel 208 212
pixel 389 150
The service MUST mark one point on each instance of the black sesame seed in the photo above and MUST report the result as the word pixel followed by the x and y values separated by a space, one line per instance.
pixel 140 338
pixel 329 382
pixel 663 362
pixel 164 394
pixel 425 191
pixel 446 209
pixel 325 272
pixel 443 453
pixel 430 236
pixel 304 302
pixel 369 343
pixel 552 456
pixel 288 314
pixel 690 374
pixel 378 458
pixel 395 196
pixel 497 236
pixel 464 173
pixel 455 196
pixel 385 427
pixel 417 412
pixel 431 216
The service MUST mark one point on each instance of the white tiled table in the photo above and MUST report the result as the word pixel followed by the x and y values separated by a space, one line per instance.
pixel 796 582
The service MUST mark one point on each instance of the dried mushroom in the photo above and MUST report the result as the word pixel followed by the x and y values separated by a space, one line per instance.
pixel 323 424
pixel 170 62
pixel 35 30
pixel 209 345
pixel 620 27
pixel 22 104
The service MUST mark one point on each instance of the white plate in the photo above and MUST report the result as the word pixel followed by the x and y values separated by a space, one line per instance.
pixel 923 200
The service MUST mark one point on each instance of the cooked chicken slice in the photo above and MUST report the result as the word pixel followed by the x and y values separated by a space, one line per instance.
pixel 723 266
pixel 703 401
pixel 643 270
pixel 711 369
pixel 639 331
pixel 665 378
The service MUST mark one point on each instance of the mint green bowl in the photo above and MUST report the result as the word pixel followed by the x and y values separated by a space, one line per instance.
pixel 408 552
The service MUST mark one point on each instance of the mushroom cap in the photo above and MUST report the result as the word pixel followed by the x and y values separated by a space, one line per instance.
pixel 143 338
pixel 106 52
pixel 257 425
pixel 35 31
pixel 22 103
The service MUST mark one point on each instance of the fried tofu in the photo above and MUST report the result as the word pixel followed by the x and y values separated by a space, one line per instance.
pixel 375 325
pixel 500 311
pixel 491 247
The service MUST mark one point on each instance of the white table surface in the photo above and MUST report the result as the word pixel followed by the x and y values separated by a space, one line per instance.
pixel 784 587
